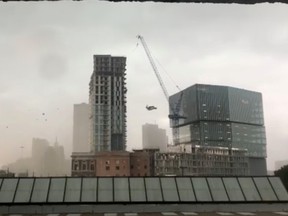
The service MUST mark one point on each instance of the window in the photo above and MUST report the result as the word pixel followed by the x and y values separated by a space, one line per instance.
pixel 132 166
pixel 107 162
pixel 107 168
pixel 117 162
pixel 92 167
pixel 117 167
pixel 145 167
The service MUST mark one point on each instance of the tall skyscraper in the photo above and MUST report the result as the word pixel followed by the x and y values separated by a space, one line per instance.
pixel 107 98
pixel 154 137
pixel 225 117
pixel 81 128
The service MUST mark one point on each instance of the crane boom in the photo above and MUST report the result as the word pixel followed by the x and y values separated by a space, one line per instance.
pixel 175 108
pixel 155 69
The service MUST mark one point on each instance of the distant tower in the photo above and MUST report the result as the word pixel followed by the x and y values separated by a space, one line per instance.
pixel 154 137
pixel 39 148
pixel 107 98
pixel 81 128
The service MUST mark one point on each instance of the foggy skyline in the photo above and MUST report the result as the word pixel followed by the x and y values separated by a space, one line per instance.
pixel 47 53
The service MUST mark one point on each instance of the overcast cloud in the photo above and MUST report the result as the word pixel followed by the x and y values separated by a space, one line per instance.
pixel 46 60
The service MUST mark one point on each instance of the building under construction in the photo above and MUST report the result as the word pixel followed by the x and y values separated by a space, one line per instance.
pixel 203 161
pixel 223 125
pixel 107 99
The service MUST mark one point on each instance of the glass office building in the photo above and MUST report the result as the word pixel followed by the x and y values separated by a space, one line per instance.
pixel 225 117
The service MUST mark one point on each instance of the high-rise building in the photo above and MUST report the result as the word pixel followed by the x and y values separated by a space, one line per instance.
pixel 81 128
pixel 154 137
pixel 107 98
pixel 46 160
pixel 225 117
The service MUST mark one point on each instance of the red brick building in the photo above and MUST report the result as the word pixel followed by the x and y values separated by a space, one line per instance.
pixel 113 164
pixel 116 163
pixel 139 164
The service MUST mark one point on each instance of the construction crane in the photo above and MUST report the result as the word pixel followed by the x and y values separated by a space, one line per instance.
pixel 174 115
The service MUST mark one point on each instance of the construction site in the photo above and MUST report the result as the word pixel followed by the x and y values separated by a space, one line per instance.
pixel 216 130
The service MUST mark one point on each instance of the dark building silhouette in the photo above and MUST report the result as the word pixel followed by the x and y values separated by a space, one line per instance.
pixel 221 116
pixel 46 160
pixel 6 173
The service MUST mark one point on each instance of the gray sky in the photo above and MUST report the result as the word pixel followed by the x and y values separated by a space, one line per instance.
pixel 46 60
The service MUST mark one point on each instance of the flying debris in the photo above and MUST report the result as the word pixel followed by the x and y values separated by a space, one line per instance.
pixel 43 113
pixel 149 108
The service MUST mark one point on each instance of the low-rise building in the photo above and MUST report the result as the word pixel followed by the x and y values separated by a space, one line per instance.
pixel 141 165
pixel 116 163
pixel 83 164
pixel 112 163
pixel 151 154
pixel 203 161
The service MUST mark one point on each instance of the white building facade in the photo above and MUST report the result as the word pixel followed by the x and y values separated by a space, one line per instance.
pixel 154 137
pixel 81 127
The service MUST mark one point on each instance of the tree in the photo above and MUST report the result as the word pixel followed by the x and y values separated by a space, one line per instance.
pixel 283 174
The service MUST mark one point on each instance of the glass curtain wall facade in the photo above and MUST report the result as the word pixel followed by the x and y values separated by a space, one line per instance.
pixel 225 117
pixel 107 98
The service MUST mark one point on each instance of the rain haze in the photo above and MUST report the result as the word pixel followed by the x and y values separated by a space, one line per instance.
pixel 47 48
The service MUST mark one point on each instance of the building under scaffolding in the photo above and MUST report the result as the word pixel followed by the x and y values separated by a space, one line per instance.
pixel 203 161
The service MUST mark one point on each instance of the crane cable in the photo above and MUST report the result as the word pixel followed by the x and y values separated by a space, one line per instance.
pixel 158 62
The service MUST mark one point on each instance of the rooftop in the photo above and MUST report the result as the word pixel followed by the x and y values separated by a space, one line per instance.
pixel 143 194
